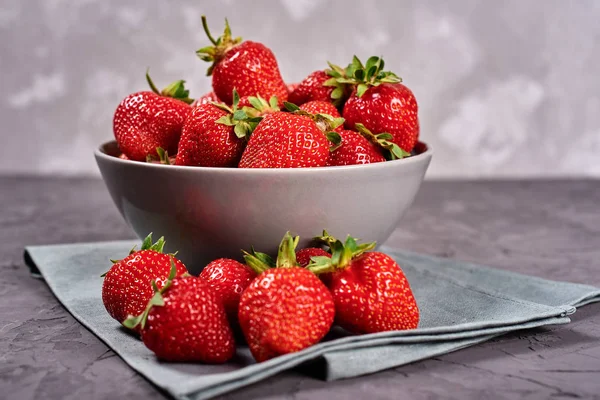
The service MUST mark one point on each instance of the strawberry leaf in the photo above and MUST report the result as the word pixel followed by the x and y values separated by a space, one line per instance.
pixel 222 106
pixel 333 82
pixel 361 89
pixel 335 70
pixel 147 242
pixel 226 120
pixel 325 238
pixel 159 245
pixel 258 262
pixel 337 93
pixel 241 130
pixel 359 75
pixel 290 106
pixel 236 99
pixel 150 82
pixel 256 103
pixel 239 115
pixel 334 138
pixel 286 255
pixel 396 152
pixel 372 62
pixel 385 136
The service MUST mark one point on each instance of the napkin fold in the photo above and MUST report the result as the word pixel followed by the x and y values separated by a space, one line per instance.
pixel 461 304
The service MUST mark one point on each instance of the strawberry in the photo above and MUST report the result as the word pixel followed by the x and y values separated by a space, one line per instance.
pixel 291 87
pixel 287 140
pixel 214 135
pixel 249 67
pixel 370 291
pixel 311 88
pixel 354 149
pixel 146 120
pixel 207 98
pixel 304 255
pixel 185 321
pixel 126 288
pixel 320 86
pixel 228 278
pixel 285 309
pixel 380 102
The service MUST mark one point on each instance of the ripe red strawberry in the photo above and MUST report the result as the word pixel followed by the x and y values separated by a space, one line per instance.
pixel 185 321
pixel 319 86
pixel 286 140
pixel 214 136
pixel 303 255
pixel 207 98
pixel 311 88
pixel 249 67
pixel 370 291
pixel 354 149
pixel 381 103
pixel 291 87
pixel 126 289
pixel 146 120
pixel 229 278
pixel 285 309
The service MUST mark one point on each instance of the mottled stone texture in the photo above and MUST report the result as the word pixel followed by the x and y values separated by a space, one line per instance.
pixel 506 88
pixel 546 228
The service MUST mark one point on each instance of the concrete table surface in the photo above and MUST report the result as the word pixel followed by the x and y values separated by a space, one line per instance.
pixel 545 228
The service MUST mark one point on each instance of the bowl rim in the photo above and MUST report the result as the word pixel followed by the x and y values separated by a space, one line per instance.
pixel 418 158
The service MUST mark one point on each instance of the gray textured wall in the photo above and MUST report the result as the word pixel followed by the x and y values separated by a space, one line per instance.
pixel 508 88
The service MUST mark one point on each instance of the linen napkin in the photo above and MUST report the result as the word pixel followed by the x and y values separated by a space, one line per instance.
pixel 461 304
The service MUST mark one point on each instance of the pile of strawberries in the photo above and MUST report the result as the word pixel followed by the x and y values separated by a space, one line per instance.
pixel 359 114
pixel 281 305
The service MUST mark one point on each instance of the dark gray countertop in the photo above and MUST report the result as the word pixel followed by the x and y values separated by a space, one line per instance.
pixel 549 229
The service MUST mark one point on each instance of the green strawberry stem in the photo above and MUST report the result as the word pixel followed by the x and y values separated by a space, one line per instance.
pixel 362 76
pixel 260 106
pixel 242 122
pixel 341 255
pixel 147 244
pixel 163 156
pixel 207 30
pixel 340 89
pixel 334 138
pixel 175 90
pixel 157 300
pixel 215 53
pixel 258 262
pixel 391 150
pixel 286 256
pixel 325 239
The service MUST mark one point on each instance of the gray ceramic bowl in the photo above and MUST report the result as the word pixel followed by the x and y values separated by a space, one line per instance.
pixel 207 213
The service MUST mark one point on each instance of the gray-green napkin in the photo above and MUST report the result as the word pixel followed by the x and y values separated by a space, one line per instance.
pixel 461 304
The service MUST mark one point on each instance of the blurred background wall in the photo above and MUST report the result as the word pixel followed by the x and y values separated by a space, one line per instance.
pixel 505 89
